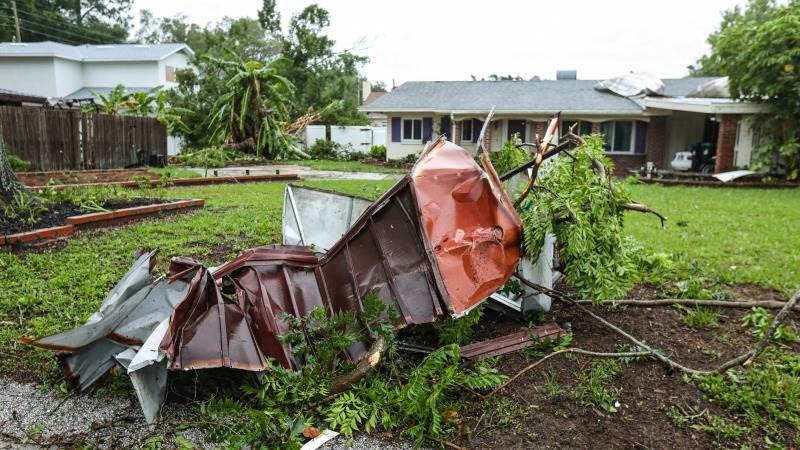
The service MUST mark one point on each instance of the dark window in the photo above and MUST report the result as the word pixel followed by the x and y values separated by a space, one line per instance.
pixel 466 130
pixel 581 129
pixel 618 136
pixel 412 129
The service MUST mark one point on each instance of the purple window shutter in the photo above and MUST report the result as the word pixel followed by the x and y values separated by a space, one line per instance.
pixel 476 129
pixel 395 129
pixel 641 137
pixel 427 129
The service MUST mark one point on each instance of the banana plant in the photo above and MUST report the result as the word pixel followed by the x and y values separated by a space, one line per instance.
pixel 253 113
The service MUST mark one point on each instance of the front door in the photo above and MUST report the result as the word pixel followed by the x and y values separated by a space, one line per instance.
pixel 516 127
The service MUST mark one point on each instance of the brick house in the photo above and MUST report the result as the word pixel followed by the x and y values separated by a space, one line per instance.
pixel 637 129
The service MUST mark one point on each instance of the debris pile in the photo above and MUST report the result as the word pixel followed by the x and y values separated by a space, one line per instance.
pixel 435 245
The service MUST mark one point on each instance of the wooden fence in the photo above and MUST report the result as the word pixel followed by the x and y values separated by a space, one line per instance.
pixel 72 140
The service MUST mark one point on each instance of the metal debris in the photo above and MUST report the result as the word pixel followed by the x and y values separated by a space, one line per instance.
pixel 437 244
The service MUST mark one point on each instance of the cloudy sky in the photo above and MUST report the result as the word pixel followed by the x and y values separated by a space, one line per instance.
pixel 451 40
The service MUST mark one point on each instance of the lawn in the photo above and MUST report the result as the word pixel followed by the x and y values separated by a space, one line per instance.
pixel 344 166
pixel 734 235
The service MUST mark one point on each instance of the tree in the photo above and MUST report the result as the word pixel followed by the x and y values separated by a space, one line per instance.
pixel 252 113
pixel 11 188
pixel 321 76
pixel 67 21
pixel 378 86
pixel 759 50
pixel 269 17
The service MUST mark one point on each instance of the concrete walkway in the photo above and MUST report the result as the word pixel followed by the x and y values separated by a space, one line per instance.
pixel 304 172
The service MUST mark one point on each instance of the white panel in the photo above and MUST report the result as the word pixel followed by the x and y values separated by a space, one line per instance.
pixel 313 134
pixel 34 76
pixel 359 137
pixel 128 73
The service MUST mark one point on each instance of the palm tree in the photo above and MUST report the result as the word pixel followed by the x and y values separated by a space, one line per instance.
pixel 251 115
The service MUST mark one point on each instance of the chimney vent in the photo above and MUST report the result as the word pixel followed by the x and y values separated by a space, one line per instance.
pixel 566 74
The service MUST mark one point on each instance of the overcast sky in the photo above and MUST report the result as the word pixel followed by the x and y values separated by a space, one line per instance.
pixel 450 40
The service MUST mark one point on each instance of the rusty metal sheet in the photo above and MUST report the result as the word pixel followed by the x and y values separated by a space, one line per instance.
pixel 471 225
pixel 511 342
pixel 438 242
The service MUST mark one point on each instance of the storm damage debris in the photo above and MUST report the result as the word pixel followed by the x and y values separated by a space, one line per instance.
pixel 436 244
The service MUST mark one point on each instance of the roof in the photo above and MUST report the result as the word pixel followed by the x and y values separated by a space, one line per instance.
pixel 89 92
pixel 372 96
pixel 8 95
pixel 546 96
pixel 89 53
pixel 705 105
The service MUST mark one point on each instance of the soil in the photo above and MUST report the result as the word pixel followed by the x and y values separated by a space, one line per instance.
pixel 529 418
pixel 56 215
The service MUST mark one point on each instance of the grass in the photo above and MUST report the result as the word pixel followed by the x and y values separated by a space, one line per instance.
pixel 175 172
pixel 344 166
pixel 733 235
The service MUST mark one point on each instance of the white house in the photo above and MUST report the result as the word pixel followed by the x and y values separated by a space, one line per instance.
pixel 52 69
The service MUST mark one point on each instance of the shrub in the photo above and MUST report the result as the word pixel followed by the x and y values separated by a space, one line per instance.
pixel 324 149
pixel 508 157
pixel 378 152
pixel 410 159
pixel 18 164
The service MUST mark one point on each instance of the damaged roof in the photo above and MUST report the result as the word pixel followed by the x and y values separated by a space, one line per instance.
pixel 545 96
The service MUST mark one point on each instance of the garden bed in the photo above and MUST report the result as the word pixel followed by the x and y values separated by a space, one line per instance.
pixel 62 219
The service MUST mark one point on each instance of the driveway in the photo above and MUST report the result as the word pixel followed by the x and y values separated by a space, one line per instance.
pixel 304 172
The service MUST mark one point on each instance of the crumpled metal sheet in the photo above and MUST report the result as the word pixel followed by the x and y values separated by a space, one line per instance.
pixel 632 84
pixel 437 243
pixel 473 228
pixel 120 330
pixel 318 218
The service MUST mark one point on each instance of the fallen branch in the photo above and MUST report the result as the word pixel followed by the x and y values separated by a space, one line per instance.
pixel 445 443
pixel 767 304
pixel 364 366
pixel 561 352
pixel 634 206
pixel 745 358
pixel 538 157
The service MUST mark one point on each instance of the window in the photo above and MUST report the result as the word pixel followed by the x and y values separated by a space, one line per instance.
pixel 466 130
pixel 583 127
pixel 412 130
pixel 170 73
pixel 619 136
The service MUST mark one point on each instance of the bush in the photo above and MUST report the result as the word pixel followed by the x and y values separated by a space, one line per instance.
pixel 508 157
pixel 324 149
pixel 213 157
pixel 378 152
pixel 411 159
pixel 18 164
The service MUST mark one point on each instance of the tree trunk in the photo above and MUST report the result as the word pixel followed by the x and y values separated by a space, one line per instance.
pixel 9 183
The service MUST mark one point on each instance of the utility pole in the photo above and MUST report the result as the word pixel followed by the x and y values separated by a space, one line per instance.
pixel 16 18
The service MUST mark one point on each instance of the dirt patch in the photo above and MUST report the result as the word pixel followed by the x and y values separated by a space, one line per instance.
pixel 56 214
pixel 528 415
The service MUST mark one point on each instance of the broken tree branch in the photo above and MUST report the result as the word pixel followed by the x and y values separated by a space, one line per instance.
pixel 744 358
pixel 364 366
pixel 767 304
pixel 561 352
pixel 538 157
pixel 636 206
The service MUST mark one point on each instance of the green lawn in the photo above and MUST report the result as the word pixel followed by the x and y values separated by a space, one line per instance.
pixel 735 235
pixel 344 166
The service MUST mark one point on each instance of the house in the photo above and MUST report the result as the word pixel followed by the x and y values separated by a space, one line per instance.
pixel 638 129
pixel 51 69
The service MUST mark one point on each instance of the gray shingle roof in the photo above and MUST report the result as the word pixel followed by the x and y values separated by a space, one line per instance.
pixel 89 92
pixel 547 96
pixel 86 52
pixel 11 95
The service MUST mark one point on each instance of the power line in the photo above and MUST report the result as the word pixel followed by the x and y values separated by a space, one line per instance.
pixel 83 31
pixel 49 35
pixel 38 25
